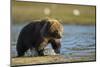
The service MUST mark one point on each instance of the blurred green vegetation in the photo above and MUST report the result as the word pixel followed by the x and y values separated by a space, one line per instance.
pixel 26 11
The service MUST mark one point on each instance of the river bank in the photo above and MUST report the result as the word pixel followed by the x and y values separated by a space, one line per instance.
pixel 49 60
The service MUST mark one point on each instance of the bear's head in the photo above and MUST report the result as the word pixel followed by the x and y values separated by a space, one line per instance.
pixel 52 28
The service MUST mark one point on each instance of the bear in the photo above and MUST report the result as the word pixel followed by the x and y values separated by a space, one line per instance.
pixel 38 34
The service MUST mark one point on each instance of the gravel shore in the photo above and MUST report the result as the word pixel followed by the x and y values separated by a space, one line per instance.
pixel 47 60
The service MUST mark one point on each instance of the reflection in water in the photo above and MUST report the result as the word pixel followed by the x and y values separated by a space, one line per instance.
pixel 77 41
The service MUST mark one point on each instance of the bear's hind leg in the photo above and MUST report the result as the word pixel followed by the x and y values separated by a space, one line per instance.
pixel 21 51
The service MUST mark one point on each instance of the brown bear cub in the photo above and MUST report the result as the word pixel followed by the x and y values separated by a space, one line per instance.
pixel 38 34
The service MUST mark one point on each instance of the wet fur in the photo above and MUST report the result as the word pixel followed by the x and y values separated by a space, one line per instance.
pixel 38 34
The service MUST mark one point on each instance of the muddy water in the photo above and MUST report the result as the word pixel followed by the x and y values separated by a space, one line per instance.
pixel 78 40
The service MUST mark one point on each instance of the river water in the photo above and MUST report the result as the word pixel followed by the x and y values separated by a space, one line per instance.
pixel 78 40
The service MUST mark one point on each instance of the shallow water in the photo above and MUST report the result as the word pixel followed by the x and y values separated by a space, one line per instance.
pixel 78 40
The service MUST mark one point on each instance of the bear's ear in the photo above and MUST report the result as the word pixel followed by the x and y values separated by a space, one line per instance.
pixel 61 21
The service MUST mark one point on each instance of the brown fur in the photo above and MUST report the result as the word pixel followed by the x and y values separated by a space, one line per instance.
pixel 38 34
